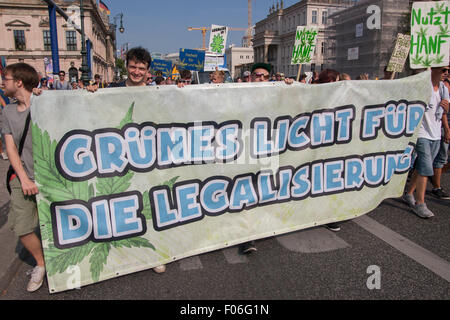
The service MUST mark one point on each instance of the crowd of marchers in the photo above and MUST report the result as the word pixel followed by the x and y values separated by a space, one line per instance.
pixel 20 83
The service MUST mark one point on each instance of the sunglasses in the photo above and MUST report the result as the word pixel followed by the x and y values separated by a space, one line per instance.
pixel 186 81
pixel 259 75
pixel 445 70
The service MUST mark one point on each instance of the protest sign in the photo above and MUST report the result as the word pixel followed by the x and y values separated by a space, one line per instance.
pixel 192 59
pixel 400 53
pixel 304 46
pixel 215 61
pixel 171 173
pixel 165 66
pixel 218 39
pixel 429 34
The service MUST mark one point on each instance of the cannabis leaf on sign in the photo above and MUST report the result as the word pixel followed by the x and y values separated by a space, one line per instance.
pixel 217 43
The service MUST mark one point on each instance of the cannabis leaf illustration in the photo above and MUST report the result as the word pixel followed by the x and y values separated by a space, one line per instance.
pixel 55 188
pixel 439 8
pixel 427 62
pixel 439 59
pixel 217 43
pixel 422 32
pixel 444 32
pixel 416 60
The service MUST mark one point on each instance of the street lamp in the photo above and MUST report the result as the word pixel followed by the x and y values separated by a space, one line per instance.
pixel 84 66
pixel 121 28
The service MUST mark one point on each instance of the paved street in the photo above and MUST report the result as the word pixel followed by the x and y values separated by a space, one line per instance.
pixel 410 255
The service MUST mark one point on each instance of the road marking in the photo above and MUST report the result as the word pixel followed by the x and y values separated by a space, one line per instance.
pixel 419 254
pixel 191 263
pixel 233 257
pixel 312 241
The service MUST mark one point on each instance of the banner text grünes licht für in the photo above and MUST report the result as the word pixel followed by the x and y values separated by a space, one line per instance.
pixel 132 178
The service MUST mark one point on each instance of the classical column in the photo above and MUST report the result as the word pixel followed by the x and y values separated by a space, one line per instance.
pixel 266 53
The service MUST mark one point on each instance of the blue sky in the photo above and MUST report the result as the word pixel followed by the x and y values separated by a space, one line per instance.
pixel 161 25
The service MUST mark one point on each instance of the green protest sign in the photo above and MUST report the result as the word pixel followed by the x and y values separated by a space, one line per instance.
pixel 305 43
pixel 429 34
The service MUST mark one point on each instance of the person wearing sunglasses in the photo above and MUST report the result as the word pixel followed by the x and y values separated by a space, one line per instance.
pixel 185 78
pixel 260 72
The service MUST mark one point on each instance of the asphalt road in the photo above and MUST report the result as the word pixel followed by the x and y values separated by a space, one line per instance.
pixel 387 254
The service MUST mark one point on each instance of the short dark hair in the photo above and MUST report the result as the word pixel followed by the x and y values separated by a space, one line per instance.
pixel 185 74
pixel 24 72
pixel 97 76
pixel 159 79
pixel 62 71
pixel 328 75
pixel 261 65
pixel 139 54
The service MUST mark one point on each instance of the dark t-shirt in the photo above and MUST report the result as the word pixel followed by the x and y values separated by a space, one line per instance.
pixel 118 84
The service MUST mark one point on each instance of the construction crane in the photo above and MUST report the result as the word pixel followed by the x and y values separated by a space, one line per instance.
pixel 248 36
pixel 204 29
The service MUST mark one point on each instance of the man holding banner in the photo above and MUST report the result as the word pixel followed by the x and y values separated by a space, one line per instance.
pixel 20 79
pixel 427 146
pixel 442 156
pixel 138 65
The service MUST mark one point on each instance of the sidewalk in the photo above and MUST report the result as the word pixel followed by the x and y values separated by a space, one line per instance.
pixel 9 258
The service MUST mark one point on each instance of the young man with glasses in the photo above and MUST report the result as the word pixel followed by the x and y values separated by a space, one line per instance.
pixel 427 146
pixel 19 80
pixel 260 72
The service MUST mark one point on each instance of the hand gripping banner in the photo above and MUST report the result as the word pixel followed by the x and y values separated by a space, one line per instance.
pixel 132 178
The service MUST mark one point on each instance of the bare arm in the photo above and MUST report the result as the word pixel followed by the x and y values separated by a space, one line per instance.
pixel 446 128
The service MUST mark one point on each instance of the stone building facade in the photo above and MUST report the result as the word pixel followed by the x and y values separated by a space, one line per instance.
pixel 274 37
pixel 25 36
pixel 358 45
pixel 236 57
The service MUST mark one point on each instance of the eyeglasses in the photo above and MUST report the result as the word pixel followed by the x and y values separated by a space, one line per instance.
pixel 8 78
pixel 186 81
pixel 259 75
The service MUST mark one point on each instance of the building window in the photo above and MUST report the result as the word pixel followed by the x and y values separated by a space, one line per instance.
pixel 19 40
pixel 47 40
pixel 314 17
pixel 324 17
pixel 71 39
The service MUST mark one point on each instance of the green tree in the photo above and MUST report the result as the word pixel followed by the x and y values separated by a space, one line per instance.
pixel 120 65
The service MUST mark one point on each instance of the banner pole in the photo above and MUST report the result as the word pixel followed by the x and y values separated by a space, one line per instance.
pixel 299 72
pixel 393 75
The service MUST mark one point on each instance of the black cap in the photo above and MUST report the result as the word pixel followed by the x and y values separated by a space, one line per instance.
pixel 261 65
